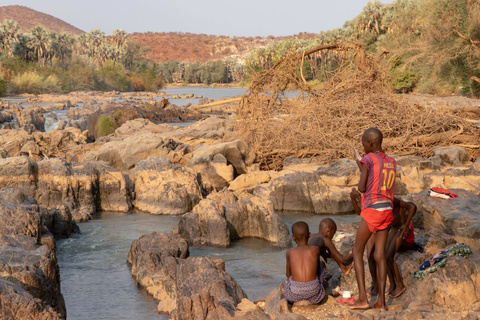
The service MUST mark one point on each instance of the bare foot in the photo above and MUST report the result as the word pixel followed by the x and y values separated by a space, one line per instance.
pixel 372 291
pixel 347 269
pixel 389 291
pixel 398 292
pixel 380 306
pixel 359 305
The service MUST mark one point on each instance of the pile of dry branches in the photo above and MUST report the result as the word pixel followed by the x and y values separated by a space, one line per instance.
pixel 281 115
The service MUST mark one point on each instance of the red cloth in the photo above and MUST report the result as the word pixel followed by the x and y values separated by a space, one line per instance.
pixel 411 235
pixel 377 220
pixel 444 191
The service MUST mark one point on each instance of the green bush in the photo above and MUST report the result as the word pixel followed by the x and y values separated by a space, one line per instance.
pixel 3 87
pixel 105 126
pixel 33 82
pixel 404 81
pixel 112 77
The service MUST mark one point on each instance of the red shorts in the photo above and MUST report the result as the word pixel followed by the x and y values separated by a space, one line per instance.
pixel 377 220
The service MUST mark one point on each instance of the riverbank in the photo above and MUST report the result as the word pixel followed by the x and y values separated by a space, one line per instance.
pixel 208 179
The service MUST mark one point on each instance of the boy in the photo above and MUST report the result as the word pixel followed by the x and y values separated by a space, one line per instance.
pixel 323 240
pixel 304 275
pixel 401 229
pixel 377 181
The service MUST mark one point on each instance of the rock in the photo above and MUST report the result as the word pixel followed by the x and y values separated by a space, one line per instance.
pixel 236 152
pixel 20 220
pixel 205 225
pixel 276 304
pixel 247 305
pixel 31 150
pixel 124 154
pixel 255 217
pixel 60 183
pixel 18 303
pixel 420 305
pixel 32 267
pixel 222 168
pixel 59 221
pixel 139 125
pixel 415 315
pixel 249 181
pixel 457 217
pixel 453 155
pixel 290 316
pixel 31 118
pixel 113 193
pixel 20 173
pixel 15 197
pixel 162 187
pixel 209 178
pixel 219 219
pixel 188 288
pixel 251 315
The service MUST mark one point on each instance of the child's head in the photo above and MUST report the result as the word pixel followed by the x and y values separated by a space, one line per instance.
pixel 300 232
pixel 372 140
pixel 327 228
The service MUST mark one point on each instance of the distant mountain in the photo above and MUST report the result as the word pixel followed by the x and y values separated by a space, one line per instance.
pixel 28 18
pixel 201 47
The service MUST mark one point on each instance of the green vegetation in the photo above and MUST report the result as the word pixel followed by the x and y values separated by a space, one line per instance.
pixel 45 61
pixel 430 46
pixel 105 125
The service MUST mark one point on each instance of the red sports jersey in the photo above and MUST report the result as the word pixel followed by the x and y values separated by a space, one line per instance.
pixel 380 181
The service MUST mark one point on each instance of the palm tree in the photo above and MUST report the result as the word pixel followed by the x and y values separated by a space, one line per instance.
pixel 120 37
pixel 9 33
pixel 40 43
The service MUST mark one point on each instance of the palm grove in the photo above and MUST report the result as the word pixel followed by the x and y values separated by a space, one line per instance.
pixel 428 46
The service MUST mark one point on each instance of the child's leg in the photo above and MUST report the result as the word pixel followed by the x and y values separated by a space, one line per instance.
pixel 380 244
pixel 373 290
pixel 400 286
pixel 392 240
pixel 363 234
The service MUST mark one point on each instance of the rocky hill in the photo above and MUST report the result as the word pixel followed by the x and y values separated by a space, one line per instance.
pixel 201 47
pixel 28 18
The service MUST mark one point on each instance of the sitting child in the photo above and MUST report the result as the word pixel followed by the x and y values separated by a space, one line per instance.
pixel 305 276
pixel 323 240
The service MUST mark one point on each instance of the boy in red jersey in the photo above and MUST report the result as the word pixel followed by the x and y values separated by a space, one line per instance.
pixel 377 181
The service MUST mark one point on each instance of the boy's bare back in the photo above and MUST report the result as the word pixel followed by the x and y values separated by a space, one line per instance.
pixel 303 262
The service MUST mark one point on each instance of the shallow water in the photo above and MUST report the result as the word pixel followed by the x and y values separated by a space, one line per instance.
pixel 97 283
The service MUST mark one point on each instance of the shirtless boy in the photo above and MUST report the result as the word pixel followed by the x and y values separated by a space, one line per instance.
pixel 377 181
pixel 304 275
pixel 323 240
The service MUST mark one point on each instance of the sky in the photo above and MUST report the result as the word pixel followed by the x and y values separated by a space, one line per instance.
pixel 214 17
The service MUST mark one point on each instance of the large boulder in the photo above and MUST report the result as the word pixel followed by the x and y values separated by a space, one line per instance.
pixel 124 154
pixel 237 153
pixel 18 303
pixel 20 173
pixel 452 155
pixel 458 217
pixel 188 288
pixel 113 193
pixel 20 220
pixel 12 141
pixel 221 218
pixel 162 187
pixel 60 183
pixel 30 119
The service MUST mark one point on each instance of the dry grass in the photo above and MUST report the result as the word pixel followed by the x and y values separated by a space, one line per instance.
pixel 281 115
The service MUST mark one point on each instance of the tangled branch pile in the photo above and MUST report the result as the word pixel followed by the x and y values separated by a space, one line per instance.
pixel 281 115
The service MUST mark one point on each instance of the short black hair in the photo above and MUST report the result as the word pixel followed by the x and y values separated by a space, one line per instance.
pixel 300 230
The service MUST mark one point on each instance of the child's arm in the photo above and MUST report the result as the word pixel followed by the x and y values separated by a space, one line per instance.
pixel 289 270
pixel 411 209
pixel 354 195
pixel 335 254
pixel 362 184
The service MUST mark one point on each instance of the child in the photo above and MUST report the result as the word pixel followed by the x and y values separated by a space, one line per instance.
pixel 401 229
pixel 377 181
pixel 323 240
pixel 304 275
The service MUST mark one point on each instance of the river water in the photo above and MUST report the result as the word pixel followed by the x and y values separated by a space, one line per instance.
pixel 97 284
pixel 96 281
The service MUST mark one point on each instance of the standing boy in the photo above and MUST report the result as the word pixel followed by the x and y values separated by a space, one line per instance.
pixel 323 240
pixel 304 275
pixel 377 181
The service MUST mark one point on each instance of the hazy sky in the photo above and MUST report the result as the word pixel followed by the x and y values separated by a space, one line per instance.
pixel 219 17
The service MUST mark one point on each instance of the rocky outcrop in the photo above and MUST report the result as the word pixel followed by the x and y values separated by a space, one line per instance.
pixel 60 183
pixel 188 288
pixel 20 173
pixel 237 153
pixel 30 119
pixel 124 154
pixel 221 218
pixel 29 274
pixel 458 217
pixel 162 187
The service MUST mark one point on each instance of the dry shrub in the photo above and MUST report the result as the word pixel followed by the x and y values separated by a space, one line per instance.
pixel 281 115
